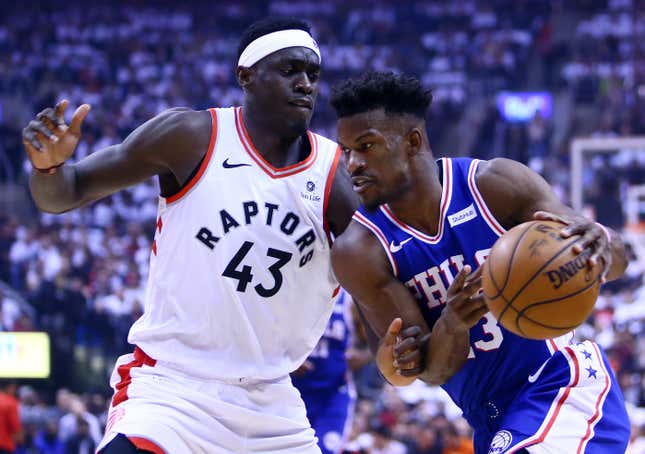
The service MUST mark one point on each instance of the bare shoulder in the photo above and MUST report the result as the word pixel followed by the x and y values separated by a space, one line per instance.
pixel 499 171
pixel 512 191
pixel 175 139
pixel 180 121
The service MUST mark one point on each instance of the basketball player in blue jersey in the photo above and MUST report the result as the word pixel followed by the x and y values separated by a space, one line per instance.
pixel 408 259
pixel 249 201
pixel 324 380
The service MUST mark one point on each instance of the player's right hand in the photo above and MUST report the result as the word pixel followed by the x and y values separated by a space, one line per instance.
pixel 48 141
pixel 465 304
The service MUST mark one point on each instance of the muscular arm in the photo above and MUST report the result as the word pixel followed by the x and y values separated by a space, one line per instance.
pixel 343 201
pixel 171 143
pixel 363 269
pixel 514 193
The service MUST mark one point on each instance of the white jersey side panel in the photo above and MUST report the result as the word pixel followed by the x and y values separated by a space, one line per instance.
pixel 240 281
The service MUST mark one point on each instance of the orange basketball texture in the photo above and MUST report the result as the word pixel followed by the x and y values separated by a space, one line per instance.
pixel 535 285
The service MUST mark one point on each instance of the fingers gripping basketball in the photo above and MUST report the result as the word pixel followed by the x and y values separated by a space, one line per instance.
pixel 536 285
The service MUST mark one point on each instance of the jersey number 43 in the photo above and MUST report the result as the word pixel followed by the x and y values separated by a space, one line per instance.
pixel 244 276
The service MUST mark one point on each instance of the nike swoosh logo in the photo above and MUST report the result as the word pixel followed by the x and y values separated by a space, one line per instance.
pixel 533 377
pixel 227 165
pixel 398 247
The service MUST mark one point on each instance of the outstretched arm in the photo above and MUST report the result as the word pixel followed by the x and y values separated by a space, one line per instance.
pixel 516 194
pixel 171 143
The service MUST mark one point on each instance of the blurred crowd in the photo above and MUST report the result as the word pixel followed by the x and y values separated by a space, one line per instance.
pixel 84 272
pixel 70 424
pixel 131 62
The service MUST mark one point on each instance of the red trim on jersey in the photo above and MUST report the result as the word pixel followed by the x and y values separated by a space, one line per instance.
pixel 328 184
pixel 336 291
pixel 154 247
pixel 479 200
pixel 446 195
pixel 202 168
pixel 274 172
pixel 140 359
pixel 553 345
pixel 599 403
pixel 535 439
pixel 358 217
pixel 146 445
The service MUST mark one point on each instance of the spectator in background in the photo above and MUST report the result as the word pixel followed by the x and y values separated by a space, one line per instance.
pixel 10 427
pixel 82 442
pixel 76 425
pixel 383 443
pixel 46 440
pixel 606 200
pixel 538 135
pixel 455 443
pixel 9 312
pixel 637 440
pixel 425 440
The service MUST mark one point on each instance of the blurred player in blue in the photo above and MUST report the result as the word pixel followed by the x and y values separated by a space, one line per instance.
pixel 325 383
pixel 407 258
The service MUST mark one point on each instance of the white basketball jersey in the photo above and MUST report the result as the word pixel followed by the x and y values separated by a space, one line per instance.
pixel 240 283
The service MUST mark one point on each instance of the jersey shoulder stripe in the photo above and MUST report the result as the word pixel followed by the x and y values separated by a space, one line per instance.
pixel 479 199
pixel 380 236
pixel 326 194
pixel 204 165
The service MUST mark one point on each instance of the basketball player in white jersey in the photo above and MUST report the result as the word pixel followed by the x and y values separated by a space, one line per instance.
pixel 240 286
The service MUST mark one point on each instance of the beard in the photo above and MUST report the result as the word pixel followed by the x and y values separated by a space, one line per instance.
pixel 401 186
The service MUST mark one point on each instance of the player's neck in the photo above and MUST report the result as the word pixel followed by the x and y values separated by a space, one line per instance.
pixel 419 206
pixel 278 147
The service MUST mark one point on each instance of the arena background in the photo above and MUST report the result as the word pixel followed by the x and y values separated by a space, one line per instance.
pixel 520 79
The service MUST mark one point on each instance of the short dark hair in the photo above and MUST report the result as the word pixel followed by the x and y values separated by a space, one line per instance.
pixel 396 93
pixel 269 25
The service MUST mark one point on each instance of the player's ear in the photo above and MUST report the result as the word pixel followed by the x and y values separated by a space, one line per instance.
pixel 244 76
pixel 414 141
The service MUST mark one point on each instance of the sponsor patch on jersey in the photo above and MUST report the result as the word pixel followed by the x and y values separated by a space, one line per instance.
pixel 462 216
pixel 501 441
pixel 311 192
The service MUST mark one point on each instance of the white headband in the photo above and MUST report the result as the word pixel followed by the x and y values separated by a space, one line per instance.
pixel 273 42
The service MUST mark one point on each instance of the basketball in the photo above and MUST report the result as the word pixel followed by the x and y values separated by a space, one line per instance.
pixel 535 285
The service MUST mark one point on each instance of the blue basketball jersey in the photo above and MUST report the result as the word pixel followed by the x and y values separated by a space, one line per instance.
pixel 328 358
pixel 499 361
pixel 327 390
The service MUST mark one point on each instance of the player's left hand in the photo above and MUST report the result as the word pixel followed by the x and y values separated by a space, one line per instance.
pixel 409 351
pixel 593 237
pixel 387 358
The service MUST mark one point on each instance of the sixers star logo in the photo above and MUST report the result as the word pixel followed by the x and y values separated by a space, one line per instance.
pixel 501 441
